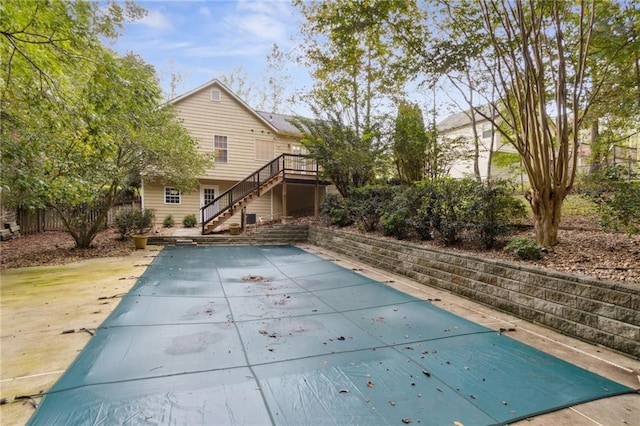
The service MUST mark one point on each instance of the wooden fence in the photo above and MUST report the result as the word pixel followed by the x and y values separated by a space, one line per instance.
pixel 43 220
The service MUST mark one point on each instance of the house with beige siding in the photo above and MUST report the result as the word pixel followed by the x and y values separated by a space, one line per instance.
pixel 259 171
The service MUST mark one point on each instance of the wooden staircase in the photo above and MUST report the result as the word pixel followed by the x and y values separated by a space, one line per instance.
pixel 253 186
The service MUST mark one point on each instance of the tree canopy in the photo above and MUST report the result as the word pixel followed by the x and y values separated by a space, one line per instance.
pixel 543 70
pixel 79 123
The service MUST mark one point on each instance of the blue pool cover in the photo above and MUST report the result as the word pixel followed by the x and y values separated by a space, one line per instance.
pixel 274 335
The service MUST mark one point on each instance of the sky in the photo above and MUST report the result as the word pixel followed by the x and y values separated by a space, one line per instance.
pixel 201 40
pixel 198 40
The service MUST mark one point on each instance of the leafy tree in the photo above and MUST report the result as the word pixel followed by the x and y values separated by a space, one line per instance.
pixel 614 61
pixel 80 123
pixel 277 80
pixel 238 82
pixel 443 153
pixel 347 159
pixel 409 143
pixel 536 57
pixel 357 73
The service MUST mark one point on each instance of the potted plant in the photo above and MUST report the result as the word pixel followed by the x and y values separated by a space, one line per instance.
pixel 142 223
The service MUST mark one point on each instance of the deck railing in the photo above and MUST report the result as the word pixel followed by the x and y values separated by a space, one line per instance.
pixel 252 184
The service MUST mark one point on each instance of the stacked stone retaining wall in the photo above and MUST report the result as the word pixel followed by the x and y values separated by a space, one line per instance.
pixel 262 235
pixel 598 312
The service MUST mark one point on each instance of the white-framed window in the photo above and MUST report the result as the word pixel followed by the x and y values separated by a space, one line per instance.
pixel 265 150
pixel 299 163
pixel 487 130
pixel 220 149
pixel 215 95
pixel 171 195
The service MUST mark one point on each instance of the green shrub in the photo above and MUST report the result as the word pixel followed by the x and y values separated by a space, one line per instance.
pixel 524 248
pixel 491 209
pixel 189 221
pixel 396 219
pixel 424 218
pixel 450 207
pixel 396 224
pixel 168 222
pixel 143 220
pixel 333 207
pixel 124 222
pixel 134 221
pixel 367 204
pixel 616 197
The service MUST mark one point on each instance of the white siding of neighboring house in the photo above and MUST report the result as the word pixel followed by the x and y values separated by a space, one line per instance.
pixel 464 168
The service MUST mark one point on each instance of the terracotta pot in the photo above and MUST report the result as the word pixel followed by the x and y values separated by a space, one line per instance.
pixel 234 229
pixel 140 241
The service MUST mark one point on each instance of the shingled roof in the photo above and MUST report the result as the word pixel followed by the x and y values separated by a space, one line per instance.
pixel 461 119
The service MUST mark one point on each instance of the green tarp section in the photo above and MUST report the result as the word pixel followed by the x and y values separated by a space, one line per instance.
pixel 252 335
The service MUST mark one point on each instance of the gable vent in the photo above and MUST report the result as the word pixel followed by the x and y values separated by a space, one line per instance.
pixel 215 95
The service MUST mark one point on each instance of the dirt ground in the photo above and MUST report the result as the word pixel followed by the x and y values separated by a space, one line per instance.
pixel 582 250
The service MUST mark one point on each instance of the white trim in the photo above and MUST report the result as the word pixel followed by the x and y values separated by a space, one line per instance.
pixel 216 190
pixel 164 196
pixel 215 95
pixel 142 192
pixel 213 143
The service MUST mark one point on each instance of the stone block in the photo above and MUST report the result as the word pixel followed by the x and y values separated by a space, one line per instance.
pixel 559 297
pixel 594 335
pixel 619 328
pixel 631 316
pixel 548 307
pixel 522 299
pixel 595 307
pixel 562 325
pixel 580 317
pixel 627 346
pixel 611 296
pixel 532 290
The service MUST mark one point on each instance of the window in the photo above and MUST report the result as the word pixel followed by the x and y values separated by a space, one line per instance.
pixel 215 95
pixel 264 150
pixel 487 130
pixel 208 194
pixel 220 149
pixel 171 195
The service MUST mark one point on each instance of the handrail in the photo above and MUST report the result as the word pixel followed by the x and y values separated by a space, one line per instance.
pixel 301 164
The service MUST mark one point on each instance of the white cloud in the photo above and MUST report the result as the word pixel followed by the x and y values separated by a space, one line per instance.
pixel 272 8
pixel 259 26
pixel 156 20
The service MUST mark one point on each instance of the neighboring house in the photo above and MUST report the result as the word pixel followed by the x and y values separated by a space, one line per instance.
pixel 243 141
pixel 458 126
pixel 491 145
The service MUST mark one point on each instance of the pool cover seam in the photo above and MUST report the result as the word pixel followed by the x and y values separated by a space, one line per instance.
pixel 246 358
pixel 261 364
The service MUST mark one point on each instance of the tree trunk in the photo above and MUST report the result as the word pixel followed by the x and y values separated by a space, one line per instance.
pixel 596 149
pixel 546 210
